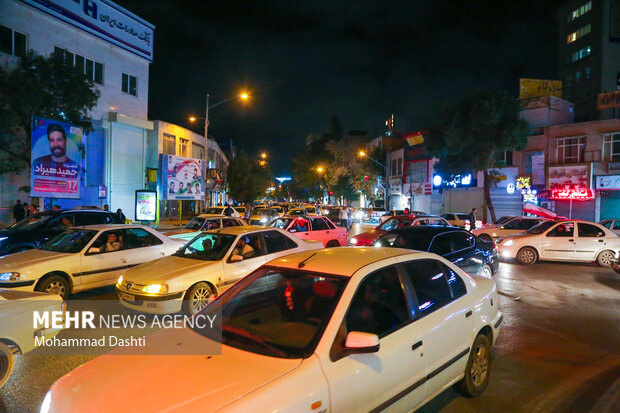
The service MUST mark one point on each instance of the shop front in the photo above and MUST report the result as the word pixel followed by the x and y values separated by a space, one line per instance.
pixel 569 186
pixel 608 191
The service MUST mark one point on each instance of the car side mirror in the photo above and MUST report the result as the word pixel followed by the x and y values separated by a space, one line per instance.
pixel 358 342
pixel 236 258
pixel 93 250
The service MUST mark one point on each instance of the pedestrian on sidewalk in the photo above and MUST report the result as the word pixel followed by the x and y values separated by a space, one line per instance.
pixel 120 216
pixel 472 219
pixel 18 211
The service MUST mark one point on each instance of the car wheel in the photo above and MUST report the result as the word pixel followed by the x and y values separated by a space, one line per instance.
pixel 485 237
pixel 197 298
pixel 6 363
pixel 527 256
pixel 478 368
pixel 486 271
pixel 605 258
pixel 54 284
pixel 332 243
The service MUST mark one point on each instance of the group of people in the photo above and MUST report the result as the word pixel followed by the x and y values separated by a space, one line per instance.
pixel 21 211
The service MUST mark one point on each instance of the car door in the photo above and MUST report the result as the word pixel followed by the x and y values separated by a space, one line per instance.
pixel 589 240
pixel 392 378
pixel 559 242
pixel 320 231
pixel 235 270
pixel 300 226
pixel 444 312
pixel 140 246
pixel 461 247
pixel 277 245
pixel 101 267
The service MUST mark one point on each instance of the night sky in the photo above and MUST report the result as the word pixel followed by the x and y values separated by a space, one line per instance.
pixel 303 61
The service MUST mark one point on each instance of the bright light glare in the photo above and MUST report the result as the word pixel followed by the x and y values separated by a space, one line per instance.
pixel 354 241
pixel 244 96
pixel 192 119
pixel 155 288
pixel 362 153
pixel 120 280
pixel 509 243
pixel 320 169
pixel 47 401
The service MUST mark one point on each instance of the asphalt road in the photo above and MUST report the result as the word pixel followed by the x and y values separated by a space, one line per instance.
pixel 558 350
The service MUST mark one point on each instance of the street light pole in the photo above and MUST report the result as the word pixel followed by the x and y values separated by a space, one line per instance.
pixel 207 131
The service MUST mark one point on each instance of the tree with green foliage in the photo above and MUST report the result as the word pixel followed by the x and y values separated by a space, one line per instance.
pixel 471 135
pixel 247 179
pixel 49 87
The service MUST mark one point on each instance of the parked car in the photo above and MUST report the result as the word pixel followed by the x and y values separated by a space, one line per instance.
pixel 509 226
pixel 335 330
pixel 301 211
pixel 219 210
pixel 313 227
pixel 457 220
pixel 465 250
pixel 566 240
pixel 399 212
pixel 402 221
pixel 612 224
pixel 17 332
pixel 36 229
pixel 83 258
pixel 204 268
pixel 203 222
pixel 263 216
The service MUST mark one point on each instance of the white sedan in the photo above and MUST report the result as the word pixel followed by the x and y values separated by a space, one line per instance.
pixel 204 268
pixel 567 240
pixel 203 222
pixel 17 333
pixel 508 226
pixel 335 330
pixel 83 258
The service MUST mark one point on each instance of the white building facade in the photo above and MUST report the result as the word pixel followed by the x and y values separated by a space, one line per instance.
pixel 114 47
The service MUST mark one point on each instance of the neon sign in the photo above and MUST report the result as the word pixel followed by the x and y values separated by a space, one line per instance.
pixel 576 194
pixel 454 181
pixel 530 195
pixel 523 182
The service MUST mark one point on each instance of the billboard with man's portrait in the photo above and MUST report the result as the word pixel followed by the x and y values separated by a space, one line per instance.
pixel 56 159
pixel 181 178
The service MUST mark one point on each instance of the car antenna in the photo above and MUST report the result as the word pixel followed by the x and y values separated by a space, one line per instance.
pixel 303 263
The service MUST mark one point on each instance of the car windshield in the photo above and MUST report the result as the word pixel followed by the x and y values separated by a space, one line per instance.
pixel 195 223
pixel 282 223
pixel 393 223
pixel 32 221
pixel 215 210
pixel 71 241
pixel 540 228
pixel 277 312
pixel 501 220
pixel 463 216
pixel 207 247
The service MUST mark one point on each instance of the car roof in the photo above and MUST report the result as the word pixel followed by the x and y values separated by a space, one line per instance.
pixel 242 229
pixel 342 260
pixel 425 230
pixel 303 216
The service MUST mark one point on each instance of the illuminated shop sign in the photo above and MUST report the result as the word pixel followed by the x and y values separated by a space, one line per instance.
pixel 576 194
pixel 454 181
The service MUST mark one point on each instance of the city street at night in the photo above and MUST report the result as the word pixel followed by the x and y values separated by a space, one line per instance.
pixel 557 351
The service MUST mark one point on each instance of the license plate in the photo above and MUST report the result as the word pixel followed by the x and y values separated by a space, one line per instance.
pixel 127 297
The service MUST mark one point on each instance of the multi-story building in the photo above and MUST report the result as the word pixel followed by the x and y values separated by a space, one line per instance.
pixel 589 54
pixel 114 48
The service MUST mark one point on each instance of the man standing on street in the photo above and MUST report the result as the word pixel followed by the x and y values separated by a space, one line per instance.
pixel 472 219
pixel 18 211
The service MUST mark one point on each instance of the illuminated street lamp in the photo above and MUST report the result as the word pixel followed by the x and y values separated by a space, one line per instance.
pixel 364 155
pixel 320 169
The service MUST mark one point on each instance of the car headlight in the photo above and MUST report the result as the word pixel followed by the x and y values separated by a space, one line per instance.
pixel 120 280
pixel 508 243
pixel 354 241
pixel 263 219
pixel 155 289
pixel 47 401
pixel 10 276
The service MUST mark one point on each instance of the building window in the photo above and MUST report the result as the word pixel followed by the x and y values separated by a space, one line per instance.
pixel 579 33
pixel 577 77
pixel 587 73
pixel 129 84
pixel 12 42
pixel 183 146
pixel 91 69
pixel 169 144
pixel 570 150
pixel 580 54
pixel 417 171
pixel 580 11
pixel 198 151
pixel 611 147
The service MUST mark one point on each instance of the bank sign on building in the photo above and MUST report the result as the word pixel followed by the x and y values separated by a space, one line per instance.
pixel 114 48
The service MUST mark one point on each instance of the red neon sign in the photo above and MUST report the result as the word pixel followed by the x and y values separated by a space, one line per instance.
pixel 582 194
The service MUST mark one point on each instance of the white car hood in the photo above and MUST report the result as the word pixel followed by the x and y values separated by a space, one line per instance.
pixel 166 269
pixel 203 383
pixel 518 236
pixel 28 258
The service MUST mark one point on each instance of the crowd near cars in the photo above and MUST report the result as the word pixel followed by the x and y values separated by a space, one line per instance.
pixel 301 314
